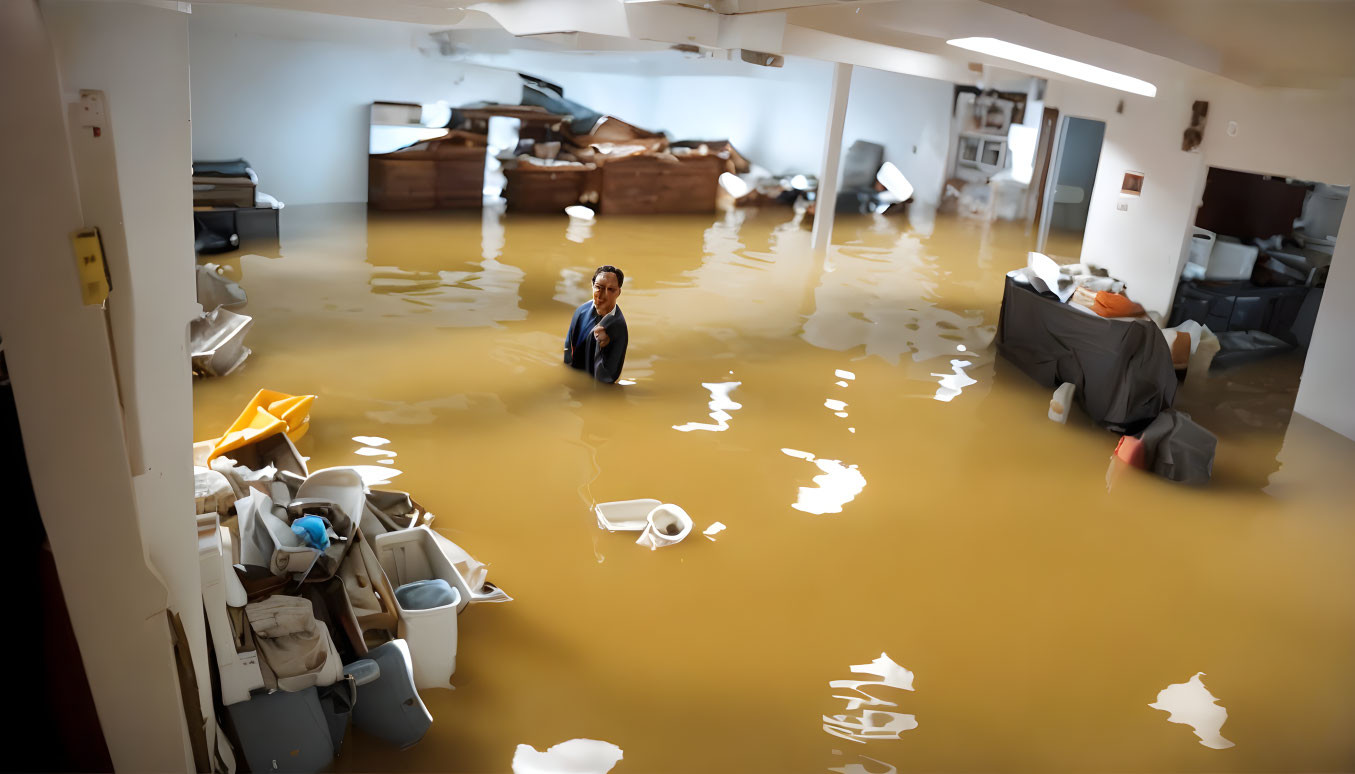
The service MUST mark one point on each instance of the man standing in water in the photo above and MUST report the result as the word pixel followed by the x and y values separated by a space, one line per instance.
pixel 597 336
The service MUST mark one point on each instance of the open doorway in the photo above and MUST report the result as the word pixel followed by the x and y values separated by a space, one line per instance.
pixel 1255 274
pixel 1063 215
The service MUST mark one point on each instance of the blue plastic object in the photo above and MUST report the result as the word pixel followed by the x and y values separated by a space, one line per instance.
pixel 311 529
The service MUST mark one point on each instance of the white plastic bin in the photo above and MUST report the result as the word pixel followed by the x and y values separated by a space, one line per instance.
pixel 413 555
pixel 1201 245
pixel 1231 260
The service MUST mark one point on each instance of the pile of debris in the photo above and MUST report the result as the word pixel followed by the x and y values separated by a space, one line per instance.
pixel 325 600
pixel 1073 328
pixel 216 338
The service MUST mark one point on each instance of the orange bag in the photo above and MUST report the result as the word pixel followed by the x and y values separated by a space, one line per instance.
pixel 1115 305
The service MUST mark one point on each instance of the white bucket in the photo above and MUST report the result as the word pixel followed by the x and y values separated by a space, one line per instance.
pixel 1201 245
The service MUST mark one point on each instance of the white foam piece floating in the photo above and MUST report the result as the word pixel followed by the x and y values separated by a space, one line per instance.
pixel 579 211
pixel 838 485
pixel 893 180
pixel 666 525
pixel 734 185
pixel 871 723
pixel 720 405
pixel 1191 704
pixel 880 767
pixel 625 515
pixel 577 756
pixel 713 530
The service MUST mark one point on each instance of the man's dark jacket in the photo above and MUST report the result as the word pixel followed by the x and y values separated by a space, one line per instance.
pixel 583 352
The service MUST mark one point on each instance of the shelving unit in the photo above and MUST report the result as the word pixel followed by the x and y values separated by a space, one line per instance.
pixel 980 150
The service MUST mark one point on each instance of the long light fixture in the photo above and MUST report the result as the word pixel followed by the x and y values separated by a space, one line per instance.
pixel 1056 64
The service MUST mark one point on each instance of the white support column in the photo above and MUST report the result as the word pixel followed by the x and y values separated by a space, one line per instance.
pixel 825 201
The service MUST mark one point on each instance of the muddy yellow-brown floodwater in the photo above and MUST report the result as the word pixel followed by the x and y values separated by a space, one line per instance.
pixel 899 511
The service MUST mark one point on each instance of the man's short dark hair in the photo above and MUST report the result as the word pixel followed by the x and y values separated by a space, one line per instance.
pixel 620 278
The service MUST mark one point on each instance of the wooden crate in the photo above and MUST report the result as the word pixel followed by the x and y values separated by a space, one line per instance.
pixel 461 182
pixel 401 184
pixel 446 178
pixel 645 185
pixel 544 189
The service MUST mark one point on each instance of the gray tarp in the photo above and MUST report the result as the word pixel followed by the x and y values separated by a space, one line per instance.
pixel 1122 368
pixel 1178 449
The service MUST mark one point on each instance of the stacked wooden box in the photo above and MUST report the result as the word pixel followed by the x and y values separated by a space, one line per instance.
pixel 438 174
pixel 533 188
pixel 648 185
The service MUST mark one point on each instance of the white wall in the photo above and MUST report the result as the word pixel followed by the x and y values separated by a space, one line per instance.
pixel 290 92
pixel 910 116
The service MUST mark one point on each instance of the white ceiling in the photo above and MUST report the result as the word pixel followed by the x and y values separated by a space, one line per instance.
pixel 1283 43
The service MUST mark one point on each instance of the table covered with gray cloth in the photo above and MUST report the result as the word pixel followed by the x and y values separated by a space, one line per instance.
pixel 1122 368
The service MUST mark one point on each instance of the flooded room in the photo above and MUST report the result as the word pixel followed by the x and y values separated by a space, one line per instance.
pixel 621 386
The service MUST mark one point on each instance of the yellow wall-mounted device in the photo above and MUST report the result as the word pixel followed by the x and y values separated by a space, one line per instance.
pixel 89 261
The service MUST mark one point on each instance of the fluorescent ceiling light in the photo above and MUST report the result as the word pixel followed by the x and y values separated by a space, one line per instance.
pixel 1056 64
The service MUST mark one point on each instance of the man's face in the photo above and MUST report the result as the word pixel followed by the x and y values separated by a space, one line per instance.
pixel 605 292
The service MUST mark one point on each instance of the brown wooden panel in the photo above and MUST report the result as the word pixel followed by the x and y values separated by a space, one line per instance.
pixel 401 185
pixel 535 190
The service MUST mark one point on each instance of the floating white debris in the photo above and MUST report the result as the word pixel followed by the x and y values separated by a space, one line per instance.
pixel 860 768
pixel 713 529
pixel 579 211
pixel 1192 704
pixel 839 485
pixel 577 756
pixel 376 476
pixel 217 341
pixel 953 383
pixel 871 723
pixel 734 185
pixel 885 668
pixel 666 525
pixel 625 515
pixel 720 405
pixel 893 180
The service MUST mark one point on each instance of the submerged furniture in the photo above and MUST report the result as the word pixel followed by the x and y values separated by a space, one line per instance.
pixel 1240 306
pixel 1121 369
pixel 413 555
pixel 389 707
pixel 647 185
pixel 284 731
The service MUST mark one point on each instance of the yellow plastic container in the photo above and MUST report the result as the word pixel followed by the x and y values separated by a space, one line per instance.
pixel 269 413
